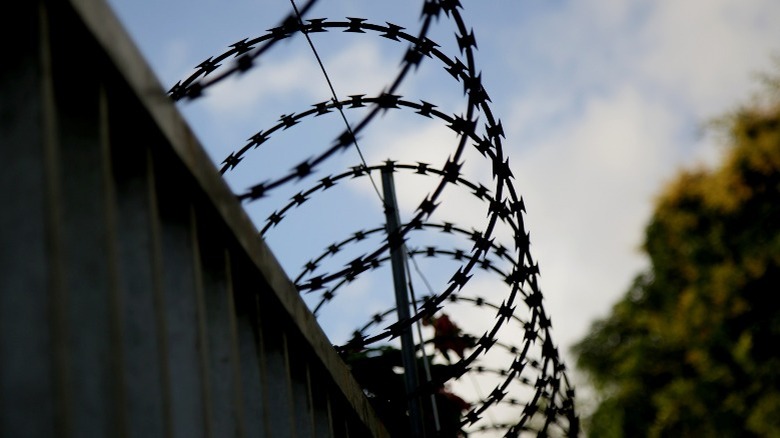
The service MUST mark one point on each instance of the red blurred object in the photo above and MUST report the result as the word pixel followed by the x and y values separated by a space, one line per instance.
pixel 447 336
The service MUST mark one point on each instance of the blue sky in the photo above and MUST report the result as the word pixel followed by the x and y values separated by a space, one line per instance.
pixel 601 101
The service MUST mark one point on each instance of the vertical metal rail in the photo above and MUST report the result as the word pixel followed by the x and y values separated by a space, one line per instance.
pixel 398 258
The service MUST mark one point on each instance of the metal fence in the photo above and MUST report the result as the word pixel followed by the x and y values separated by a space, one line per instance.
pixel 135 296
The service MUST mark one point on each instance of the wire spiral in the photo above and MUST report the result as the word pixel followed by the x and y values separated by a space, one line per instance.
pixel 513 351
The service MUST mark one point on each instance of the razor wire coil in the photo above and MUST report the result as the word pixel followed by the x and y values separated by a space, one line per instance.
pixel 531 361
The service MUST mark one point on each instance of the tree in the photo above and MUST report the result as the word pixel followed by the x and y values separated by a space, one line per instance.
pixel 692 349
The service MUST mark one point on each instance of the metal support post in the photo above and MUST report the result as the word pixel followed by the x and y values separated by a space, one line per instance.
pixel 398 259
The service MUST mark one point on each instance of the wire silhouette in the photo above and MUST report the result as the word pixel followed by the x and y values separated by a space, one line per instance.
pixel 516 343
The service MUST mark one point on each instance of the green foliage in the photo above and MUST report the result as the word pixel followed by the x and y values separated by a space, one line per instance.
pixel 692 348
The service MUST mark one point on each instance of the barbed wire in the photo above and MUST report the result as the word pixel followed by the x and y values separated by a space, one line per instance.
pixel 532 362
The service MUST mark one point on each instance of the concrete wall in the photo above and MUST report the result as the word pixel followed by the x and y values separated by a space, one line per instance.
pixel 135 297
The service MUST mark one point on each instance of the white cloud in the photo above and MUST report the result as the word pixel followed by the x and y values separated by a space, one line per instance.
pixel 706 52
pixel 359 67
pixel 238 97
pixel 588 187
